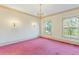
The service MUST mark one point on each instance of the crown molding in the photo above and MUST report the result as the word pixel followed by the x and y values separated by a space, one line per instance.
pixel 15 10
pixel 61 12
pixel 12 9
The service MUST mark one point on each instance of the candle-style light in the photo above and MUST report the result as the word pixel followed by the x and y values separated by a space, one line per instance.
pixel 40 15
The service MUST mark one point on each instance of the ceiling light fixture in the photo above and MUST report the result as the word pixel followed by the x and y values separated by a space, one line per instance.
pixel 41 12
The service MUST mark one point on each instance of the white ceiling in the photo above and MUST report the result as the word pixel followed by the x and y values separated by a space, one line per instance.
pixel 47 9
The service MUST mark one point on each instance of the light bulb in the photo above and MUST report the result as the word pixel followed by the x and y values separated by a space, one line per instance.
pixel 34 24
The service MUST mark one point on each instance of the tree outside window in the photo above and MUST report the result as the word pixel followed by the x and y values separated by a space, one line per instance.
pixel 47 27
pixel 71 27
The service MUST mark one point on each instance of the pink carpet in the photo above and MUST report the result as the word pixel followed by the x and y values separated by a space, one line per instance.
pixel 39 46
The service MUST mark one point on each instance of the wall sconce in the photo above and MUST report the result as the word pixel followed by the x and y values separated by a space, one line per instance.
pixel 14 24
pixel 34 24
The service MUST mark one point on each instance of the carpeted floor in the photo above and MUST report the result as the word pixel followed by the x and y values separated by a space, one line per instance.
pixel 39 46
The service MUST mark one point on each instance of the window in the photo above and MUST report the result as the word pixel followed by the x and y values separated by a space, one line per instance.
pixel 71 27
pixel 47 27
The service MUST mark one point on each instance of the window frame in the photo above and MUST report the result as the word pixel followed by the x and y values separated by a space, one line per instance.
pixel 69 36
pixel 45 28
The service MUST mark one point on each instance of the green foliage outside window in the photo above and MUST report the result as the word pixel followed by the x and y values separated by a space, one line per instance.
pixel 47 27
pixel 71 26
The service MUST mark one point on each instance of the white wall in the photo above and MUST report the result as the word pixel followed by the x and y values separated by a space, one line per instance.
pixel 24 28
pixel 57 20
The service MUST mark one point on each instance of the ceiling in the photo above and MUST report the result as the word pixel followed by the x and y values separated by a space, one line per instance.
pixel 46 9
